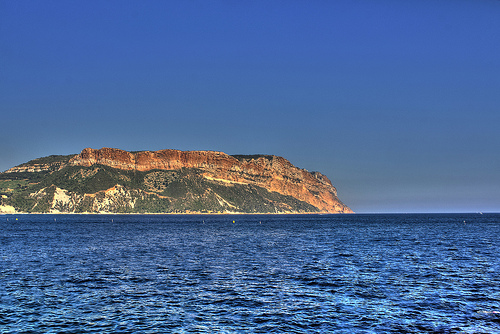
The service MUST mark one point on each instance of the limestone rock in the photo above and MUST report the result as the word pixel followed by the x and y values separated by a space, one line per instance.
pixel 276 174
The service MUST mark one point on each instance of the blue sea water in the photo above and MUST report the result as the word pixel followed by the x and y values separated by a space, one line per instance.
pixel 436 273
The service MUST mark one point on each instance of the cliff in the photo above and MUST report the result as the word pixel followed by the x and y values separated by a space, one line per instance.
pixel 210 181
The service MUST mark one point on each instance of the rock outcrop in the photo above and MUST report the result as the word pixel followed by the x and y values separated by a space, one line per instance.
pixel 272 173
pixel 46 164
pixel 110 180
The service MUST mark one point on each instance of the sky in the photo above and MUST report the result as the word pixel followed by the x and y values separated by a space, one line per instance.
pixel 397 102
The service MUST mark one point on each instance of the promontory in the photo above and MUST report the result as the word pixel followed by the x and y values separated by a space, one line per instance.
pixel 110 180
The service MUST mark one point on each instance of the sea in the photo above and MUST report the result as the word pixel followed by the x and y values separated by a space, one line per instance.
pixel 354 273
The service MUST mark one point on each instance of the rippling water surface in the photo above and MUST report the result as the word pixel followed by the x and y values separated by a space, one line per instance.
pixel 260 274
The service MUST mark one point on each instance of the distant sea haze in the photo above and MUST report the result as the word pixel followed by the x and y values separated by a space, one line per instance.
pixel 413 273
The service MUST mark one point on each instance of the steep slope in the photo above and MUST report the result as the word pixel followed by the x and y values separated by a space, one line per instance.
pixel 113 180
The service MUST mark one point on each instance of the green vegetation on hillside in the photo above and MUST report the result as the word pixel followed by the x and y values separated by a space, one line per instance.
pixel 88 189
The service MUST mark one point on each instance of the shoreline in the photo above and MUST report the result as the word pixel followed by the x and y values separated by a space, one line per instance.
pixel 178 214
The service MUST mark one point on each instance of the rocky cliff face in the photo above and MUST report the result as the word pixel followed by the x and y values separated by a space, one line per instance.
pixel 273 173
pixel 46 164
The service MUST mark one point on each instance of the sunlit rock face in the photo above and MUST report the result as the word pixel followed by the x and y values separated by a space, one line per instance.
pixel 270 172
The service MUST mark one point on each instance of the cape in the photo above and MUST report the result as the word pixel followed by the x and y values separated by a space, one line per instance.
pixel 110 180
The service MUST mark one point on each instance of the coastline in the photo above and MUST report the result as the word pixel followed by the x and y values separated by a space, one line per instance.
pixel 176 213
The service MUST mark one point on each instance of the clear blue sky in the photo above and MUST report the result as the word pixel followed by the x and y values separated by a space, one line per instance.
pixel 397 102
